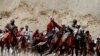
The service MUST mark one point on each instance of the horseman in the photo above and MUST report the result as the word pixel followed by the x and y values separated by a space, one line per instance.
pixel 25 33
pixel 35 38
pixel 74 23
pixel 42 37
pixel 88 40
pixel 78 33
pixel 10 34
pixel 51 29
pixel 74 27
pixel 88 36
pixel 10 28
pixel 78 39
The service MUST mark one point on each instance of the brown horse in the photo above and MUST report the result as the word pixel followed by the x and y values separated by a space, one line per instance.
pixel 2 45
pixel 67 44
pixel 70 43
pixel 89 46
pixel 56 45
pixel 7 39
pixel 22 44
pixel 98 50
pixel 1 42
pixel 10 39
pixel 98 46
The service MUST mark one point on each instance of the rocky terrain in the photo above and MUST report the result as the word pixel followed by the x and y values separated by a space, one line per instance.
pixel 37 13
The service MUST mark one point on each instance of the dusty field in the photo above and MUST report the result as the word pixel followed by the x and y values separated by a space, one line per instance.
pixel 5 53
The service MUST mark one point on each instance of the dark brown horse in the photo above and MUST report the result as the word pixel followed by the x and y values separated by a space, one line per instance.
pixel 98 49
pixel 56 45
pixel 22 44
pixel 2 45
pixel 98 46
pixel 89 45
pixel 10 39
pixel 7 39
pixel 70 43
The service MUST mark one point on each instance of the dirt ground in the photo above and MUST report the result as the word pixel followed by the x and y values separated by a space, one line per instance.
pixel 5 53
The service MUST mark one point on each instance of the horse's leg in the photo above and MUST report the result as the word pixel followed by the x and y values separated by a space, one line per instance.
pixel 8 48
pixel 53 48
pixel 85 52
pixel 2 48
pixel 61 50
pixel 98 53
pixel 81 51
pixel 13 48
pixel 49 41
pixel 27 51
pixel 72 51
pixel 88 52
pixel 76 51
pixel 65 51
pixel 41 54
pixel 91 52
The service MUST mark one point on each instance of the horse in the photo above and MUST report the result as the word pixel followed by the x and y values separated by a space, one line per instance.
pixel 70 43
pixel 98 50
pixel 64 41
pixel 2 46
pixel 7 40
pixel 89 46
pixel 80 43
pixel 1 42
pixel 56 44
pixel 10 39
pixel 22 44
pixel 98 47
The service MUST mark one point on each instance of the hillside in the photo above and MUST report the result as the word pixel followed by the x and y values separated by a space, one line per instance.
pixel 37 13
